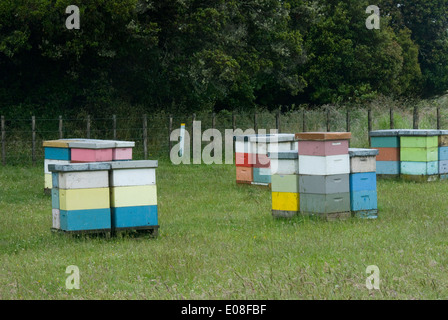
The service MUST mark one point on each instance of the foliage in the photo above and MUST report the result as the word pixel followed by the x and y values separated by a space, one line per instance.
pixel 201 55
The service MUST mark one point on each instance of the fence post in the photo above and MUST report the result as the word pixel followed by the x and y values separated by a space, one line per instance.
pixel 88 126
pixel 277 120
pixel 328 119
pixel 60 127
pixel 114 126
pixel 233 121
pixel 33 148
pixel 438 118
pixel 415 121
pixel 369 122
pixel 303 121
pixel 145 136
pixel 255 121
pixel 3 140
pixel 392 118
pixel 347 121
pixel 170 129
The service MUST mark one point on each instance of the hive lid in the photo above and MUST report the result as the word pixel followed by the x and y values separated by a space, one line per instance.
pixel 90 166
pixel 444 132
pixel 293 154
pixel 91 144
pixel 268 138
pixel 99 166
pixel 243 137
pixel 385 133
pixel 418 132
pixel 60 143
pixel 118 143
pixel 360 152
pixel 321 136
pixel 134 164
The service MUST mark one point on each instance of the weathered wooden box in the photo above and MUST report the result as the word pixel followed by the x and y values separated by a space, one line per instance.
pixel 285 183
pixel 365 181
pixel 419 167
pixel 419 154
pixel 362 160
pixel 324 184
pixel 324 203
pixel 328 165
pixel 323 148
pixel 286 162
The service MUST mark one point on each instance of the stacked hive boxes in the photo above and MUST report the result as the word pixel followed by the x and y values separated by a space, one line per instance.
pixel 65 151
pixel 324 169
pixel 251 155
pixel 363 192
pixel 104 196
pixel 260 146
pixel 80 197
pixel 419 154
pixel 387 142
pixel 284 183
pixel 133 194
pixel 443 154
pixel 243 159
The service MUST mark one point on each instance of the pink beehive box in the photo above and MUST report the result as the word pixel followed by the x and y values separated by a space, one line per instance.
pixel 93 150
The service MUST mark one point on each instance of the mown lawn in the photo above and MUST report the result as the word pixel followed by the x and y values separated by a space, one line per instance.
pixel 218 240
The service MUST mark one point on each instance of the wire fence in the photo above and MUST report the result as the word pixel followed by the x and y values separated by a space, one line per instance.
pixel 22 139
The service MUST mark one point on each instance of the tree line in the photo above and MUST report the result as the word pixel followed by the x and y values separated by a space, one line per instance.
pixel 188 55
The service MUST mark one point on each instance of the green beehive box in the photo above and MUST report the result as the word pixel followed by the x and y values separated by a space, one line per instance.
pixel 419 141
pixel 419 154
pixel 385 142
pixel 285 183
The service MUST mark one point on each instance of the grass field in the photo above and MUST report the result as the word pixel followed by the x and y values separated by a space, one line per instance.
pixel 218 240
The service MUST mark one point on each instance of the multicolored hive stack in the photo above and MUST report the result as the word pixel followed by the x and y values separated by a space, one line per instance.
pixel 65 151
pixel 363 189
pixel 443 154
pixel 419 154
pixel 324 169
pixel 133 194
pixel 285 183
pixel 387 142
pixel 80 197
pixel 251 155
pixel 104 196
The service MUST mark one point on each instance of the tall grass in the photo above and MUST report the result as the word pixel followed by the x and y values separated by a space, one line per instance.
pixel 218 240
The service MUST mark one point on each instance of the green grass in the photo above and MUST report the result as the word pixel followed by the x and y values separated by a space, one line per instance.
pixel 218 240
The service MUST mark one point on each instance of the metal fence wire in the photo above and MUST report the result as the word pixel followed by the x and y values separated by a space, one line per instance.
pixel 22 139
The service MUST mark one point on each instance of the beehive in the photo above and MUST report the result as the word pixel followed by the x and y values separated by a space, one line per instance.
pixel 363 188
pixel 260 146
pixel 419 154
pixel 284 184
pixel 443 154
pixel 80 197
pixel 65 151
pixel 324 169
pixel 243 159
pixel 105 196
pixel 251 155
pixel 133 195
pixel 56 152
pixel 387 142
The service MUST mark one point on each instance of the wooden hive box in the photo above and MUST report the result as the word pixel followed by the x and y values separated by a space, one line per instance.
pixel 419 152
pixel 363 186
pixel 285 184
pixel 133 194
pixel 387 142
pixel 286 162
pixel 80 198
pixel 362 160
